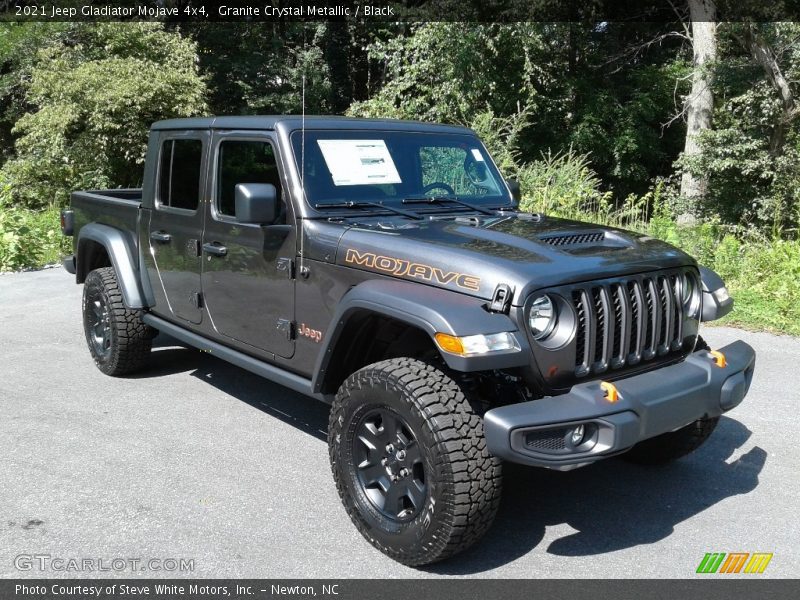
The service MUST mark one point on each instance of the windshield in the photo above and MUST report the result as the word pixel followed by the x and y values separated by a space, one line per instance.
pixel 392 166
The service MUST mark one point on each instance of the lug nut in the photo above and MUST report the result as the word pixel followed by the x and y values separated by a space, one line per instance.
pixel 403 472
pixel 384 461
pixel 401 455
pixel 389 448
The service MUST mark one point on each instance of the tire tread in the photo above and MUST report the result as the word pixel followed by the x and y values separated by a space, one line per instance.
pixel 133 337
pixel 458 431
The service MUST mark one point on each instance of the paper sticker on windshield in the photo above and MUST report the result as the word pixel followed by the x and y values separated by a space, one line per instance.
pixel 359 162
pixel 477 154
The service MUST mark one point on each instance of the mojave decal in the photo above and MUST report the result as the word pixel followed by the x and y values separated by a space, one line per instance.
pixel 399 267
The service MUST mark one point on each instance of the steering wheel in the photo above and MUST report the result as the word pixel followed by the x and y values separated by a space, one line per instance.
pixel 438 184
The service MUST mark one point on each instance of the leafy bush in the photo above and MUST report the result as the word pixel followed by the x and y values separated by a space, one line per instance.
pixel 28 238
pixel 563 184
pixel 764 279
pixel 501 135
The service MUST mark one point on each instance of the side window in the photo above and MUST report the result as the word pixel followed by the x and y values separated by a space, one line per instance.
pixel 245 162
pixel 179 174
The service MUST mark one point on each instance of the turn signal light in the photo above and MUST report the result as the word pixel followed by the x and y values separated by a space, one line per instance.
pixel 719 358
pixel 612 395
pixel 449 343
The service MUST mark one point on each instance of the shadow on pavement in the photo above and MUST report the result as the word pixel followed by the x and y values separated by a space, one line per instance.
pixel 612 505
pixel 306 414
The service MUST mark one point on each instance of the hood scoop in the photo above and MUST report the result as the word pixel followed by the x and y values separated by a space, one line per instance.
pixel 572 239
pixel 585 240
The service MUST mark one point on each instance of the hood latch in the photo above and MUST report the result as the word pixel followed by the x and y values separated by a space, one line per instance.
pixel 501 298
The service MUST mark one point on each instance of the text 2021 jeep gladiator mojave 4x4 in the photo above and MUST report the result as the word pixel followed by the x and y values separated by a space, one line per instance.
pixel 383 267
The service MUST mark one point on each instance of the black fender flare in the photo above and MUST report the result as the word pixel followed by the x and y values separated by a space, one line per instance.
pixel 432 310
pixel 123 258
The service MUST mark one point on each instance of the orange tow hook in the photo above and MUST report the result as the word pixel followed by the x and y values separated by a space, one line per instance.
pixel 612 395
pixel 719 358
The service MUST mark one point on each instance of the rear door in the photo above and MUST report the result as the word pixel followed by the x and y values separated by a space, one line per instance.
pixel 248 284
pixel 176 221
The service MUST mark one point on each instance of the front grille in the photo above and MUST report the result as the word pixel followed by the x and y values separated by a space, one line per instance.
pixel 627 322
pixel 574 238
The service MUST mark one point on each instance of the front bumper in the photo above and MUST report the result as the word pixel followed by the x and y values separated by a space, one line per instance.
pixel 538 432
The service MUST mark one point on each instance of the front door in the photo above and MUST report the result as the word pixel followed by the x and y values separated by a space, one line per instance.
pixel 247 276
pixel 176 222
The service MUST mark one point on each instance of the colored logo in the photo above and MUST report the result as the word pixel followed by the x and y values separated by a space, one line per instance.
pixel 734 562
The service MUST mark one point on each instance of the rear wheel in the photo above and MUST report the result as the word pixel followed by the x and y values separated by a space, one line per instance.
pixel 118 339
pixel 410 461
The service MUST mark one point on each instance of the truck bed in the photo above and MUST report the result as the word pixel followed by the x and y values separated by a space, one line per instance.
pixel 118 208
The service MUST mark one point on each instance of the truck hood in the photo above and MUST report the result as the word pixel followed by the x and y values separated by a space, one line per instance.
pixel 473 255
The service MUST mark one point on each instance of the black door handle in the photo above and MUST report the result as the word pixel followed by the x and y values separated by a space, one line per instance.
pixel 161 236
pixel 215 249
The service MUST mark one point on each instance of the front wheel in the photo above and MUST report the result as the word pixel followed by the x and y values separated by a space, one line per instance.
pixel 410 461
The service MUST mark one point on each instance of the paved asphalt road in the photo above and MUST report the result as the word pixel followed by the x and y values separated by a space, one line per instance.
pixel 201 460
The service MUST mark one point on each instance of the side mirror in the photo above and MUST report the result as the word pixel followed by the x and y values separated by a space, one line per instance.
pixel 256 203
pixel 514 188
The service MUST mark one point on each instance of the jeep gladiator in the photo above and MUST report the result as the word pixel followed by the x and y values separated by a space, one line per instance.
pixel 385 268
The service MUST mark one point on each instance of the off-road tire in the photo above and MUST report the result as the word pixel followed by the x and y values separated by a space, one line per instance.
pixel 671 446
pixel 125 348
pixel 463 481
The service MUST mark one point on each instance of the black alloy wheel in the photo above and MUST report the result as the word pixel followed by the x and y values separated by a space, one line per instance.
pixel 391 471
pixel 100 325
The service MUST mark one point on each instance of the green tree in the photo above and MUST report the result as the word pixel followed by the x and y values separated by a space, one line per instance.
pixel 450 72
pixel 259 68
pixel 19 46
pixel 603 90
pixel 94 91
pixel 752 156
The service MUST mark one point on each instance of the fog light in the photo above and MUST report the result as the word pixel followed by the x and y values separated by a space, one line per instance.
pixel 576 435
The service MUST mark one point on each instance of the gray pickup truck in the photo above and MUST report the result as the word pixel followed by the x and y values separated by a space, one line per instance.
pixel 384 267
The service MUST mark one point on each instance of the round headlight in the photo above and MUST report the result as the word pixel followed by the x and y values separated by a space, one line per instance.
pixel 542 318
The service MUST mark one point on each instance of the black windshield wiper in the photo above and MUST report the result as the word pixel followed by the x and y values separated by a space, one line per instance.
pixel 440 199
pixel 352 204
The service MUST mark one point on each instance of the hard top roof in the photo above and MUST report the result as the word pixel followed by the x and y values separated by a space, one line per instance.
pixel 293 122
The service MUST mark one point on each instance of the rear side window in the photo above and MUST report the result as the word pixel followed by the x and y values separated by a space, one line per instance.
pixel 179 174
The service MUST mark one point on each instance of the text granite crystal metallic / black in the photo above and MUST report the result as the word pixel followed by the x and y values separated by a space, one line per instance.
pixel 384 267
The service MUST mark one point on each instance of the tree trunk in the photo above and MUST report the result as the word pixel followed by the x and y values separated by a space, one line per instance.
pixel 765 57
pixel 700 103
